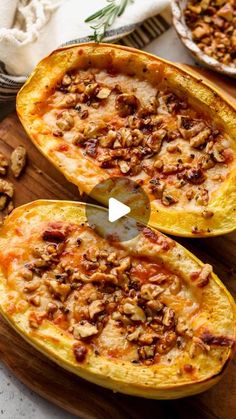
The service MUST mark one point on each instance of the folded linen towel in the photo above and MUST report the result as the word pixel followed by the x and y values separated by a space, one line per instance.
pixel 31 29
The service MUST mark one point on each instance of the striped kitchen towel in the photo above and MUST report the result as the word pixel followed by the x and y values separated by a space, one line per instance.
pixel 30 29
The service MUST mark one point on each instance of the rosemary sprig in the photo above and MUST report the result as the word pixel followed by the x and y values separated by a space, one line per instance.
pixel 104 18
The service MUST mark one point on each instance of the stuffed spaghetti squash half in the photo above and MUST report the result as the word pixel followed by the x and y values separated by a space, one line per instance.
pixel 101 111
pixel 143 317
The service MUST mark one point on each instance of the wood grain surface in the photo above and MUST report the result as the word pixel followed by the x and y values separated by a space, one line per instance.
pixel 77 396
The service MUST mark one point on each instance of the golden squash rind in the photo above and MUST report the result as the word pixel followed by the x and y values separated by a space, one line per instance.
pixel 118 376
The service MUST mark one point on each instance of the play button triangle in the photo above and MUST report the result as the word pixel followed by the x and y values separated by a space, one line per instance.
pixel 117 209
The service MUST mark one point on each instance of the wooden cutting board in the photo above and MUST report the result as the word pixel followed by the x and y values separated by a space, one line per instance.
pixel 77 396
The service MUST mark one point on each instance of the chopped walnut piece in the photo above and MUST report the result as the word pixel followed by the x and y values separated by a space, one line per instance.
pixel 216 153
pixel 155 305
pixel 175 286
pixel 108 139
pixel 157 187
pixel 189 127
pixel 155 140
pixel 66 81
pixel 204 276
pixel 136 313
pixel 80 352
pixel 135 334
pixel 32 286
pixel 95 308
pixel 60 290
pixel 200 138
pixel 103 93
pixel 65 121
pixel 195 175
pixel 207 214
pixel 150 291
pixel 202 197
pixel 146 352
pixel 6 188
pixel 158 164
pixel 35 300
pixel 127 104
pixel 84 329
pixel 3 164
pixel 168 198
pixel 3 202
pixel 18 160
pixel 124 166
pixel 169 317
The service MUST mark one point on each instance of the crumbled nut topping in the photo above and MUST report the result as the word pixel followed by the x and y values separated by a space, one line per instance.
pixel 213 27
pixel 84 290
pixel 175 150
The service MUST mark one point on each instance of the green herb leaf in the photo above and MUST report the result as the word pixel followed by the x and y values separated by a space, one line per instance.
pixel 104 18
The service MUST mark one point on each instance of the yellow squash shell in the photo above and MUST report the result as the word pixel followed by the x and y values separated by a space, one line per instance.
pixel 206 307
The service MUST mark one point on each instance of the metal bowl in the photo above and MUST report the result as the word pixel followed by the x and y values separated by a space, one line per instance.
pixel 184 33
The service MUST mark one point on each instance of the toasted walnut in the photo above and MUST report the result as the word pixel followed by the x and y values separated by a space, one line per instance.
pixel 216 153
pixel 91 89
pixel 60 290
pixel 166 343
pixel 195 175
pixel 147 338
pixel 6 188
pixel 124 166
pixel 3 202
pixel 150 291
pixel 26 274
pixel 200 138
pixel 84 329
pixel 173 148
pixel 204 276
pixel 154 141
pixel 78 138
pixel 202 197
pixel 135 334
pixel 207 214
pixel 168 198
pixel 206 162
pixel 175 286
pixel 66 81
pixel 3 164
pixel 136 313
pixel 108 140
pixel 103 93
pixel 157 187
pixel 127 104
pixel 155 305
pixel 100 276
pixel 65 121
pixel 196 346
pixel 158 164
pixel 35 300
pixel 32 286
pixel 146 352
pixel 169 317
pixel 189 127
pixel 95 308
pixel 169 168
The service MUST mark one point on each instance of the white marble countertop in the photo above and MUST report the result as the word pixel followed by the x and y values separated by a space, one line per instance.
pixel 16 400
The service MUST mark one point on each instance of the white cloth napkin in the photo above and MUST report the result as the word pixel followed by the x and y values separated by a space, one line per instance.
pixel 30 29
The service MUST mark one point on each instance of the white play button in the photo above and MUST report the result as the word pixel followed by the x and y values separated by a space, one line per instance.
pixel 116 210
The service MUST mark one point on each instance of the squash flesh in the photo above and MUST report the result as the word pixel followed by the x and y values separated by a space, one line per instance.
pixel 182 218
pixel 174 374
